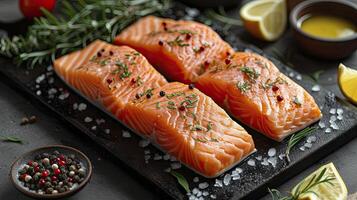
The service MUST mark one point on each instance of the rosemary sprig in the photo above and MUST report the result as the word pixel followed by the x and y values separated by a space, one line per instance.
pixel 296 138
pixel 11 139
pixel 300 190
pixel 181 180
pixel 76 26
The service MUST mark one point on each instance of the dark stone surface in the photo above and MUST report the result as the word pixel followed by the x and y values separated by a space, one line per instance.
pixel 111 179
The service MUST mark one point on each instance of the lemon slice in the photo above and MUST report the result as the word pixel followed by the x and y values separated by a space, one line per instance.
pixel 335 189
pixel 347 80
pixel 265 19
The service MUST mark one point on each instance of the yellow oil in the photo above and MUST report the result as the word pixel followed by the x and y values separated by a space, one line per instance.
pixel 328 26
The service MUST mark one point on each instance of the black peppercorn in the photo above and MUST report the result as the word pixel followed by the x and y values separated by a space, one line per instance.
pixel 191 86
pixel 162 93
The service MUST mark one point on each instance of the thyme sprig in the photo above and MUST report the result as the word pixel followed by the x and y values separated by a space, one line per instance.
pixel 76 26
pixel 302 190
pixel 11 139
pixel 296 138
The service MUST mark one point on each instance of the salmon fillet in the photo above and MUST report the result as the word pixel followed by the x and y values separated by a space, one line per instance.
pixel 108 74
pixel 190 126
pixel 253 90
pixel 180 50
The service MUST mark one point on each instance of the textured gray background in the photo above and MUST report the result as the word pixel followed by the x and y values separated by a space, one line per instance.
pixel 111 180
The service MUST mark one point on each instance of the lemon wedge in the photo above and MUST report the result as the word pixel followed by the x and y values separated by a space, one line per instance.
pixel 335 189
pixel 347 81
pixel 265 19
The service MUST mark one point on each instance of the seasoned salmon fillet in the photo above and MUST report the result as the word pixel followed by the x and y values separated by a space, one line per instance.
pixel 190 126
pixel 253 90
pixel 108 74
pixel 180 50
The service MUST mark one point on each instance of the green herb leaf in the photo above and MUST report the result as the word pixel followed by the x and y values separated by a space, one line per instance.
pixel 181 180
pixel 76 26
pixel 296 138
pixel 316 75
pixel 250 72
pixel 177 42
pixel 244 87
pixel 11 139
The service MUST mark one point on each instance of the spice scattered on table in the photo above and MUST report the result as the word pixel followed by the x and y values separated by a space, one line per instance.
pixel 28 120
pixel 52 173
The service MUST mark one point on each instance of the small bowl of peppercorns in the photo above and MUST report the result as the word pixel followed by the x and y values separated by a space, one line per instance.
pixel 51 172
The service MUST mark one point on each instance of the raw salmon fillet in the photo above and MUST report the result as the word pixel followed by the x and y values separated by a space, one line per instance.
pixel 253 90
pixel 190 126
pixel 180 50
pixel 108 74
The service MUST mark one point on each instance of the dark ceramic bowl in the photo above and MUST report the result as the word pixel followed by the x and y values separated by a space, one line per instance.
pixel 211 3
pixel 321 47
pixel 48 149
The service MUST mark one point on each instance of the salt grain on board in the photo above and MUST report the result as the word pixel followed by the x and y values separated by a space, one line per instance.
pixel 265 162
pixel 75 106
pixel 271 152
pixel 311 139
pixel 302 148
pixel 126 134
pixel 239 170
pixel 196 179
pixel 273 161
pixel 166 157
pixel 157 157
pixel 176 165
pixel 205 193
pixel 144 143
pixel 94 128
pixel 88 119
pixel 251 162
pixel 308 145
pixel 40 78
pixel 100 121
pixel 38 92
pixel 328 130
pixel 340 117
pixel 203 185
pixel 213 196
pixel 107 131
pixel 227 179
pixel 315 88
pixel 218 183
pixel 333 111
pixel 281 156
pixel 259 158
pixel 298 77
pixel 322 124
pixel 82 106
pixel 339 111
pixel 334 126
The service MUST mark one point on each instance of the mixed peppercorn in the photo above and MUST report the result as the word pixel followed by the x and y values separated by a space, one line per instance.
pixel 52 173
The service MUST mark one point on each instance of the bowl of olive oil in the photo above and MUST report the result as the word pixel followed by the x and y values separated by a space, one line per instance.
pixel 325 28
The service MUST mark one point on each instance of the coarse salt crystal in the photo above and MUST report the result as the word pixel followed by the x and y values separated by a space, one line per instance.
pixel 281 156
pixel 259 158
pixel 265 162
pixel 328 130
pixel 195 190
pixel 147 157
pixel 298 77
pixel 37 86
pixel 322 124
pixel 235 173
pixel 227 179
pixel 199 194
pixel 239 170
pixel 192 12
pixel 100 121
pixel 271 152
pixel 40 78
pixel 203 185
pixel 311 139
pixel 196 179
pixel 213 196
pixel 339 111
pixel 218 183
pixel 168 170
pixel 38 92
pixel 291 74
pixel 144 143
pixel 340 117
pixel 333 111
pixel 166 157
pixel 234 178
pixel 147 151
pixel 107 131
pixel 251 162
pixel 126 134
pixel 75 106
pixel 273 161
pixel 94 128
pixel 157 157
pixel 333 118
pixel 302 148
pixel 205 193
pixel 334 126
pixel 308 145
pixel 315 88
pixel 82 106
pixel 63 96
pixel 88 119
pixel 176 165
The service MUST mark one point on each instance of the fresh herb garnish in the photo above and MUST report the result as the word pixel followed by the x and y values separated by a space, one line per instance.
pixel 296 138
pixel 269 84
pixel 177 42
pixel 209 126
pixel 158 105
pixel 316 75
pixel 11 139
pixel 196 127
pixel 297 101
pixel 300 190
pixel 186 32
pixel 123 68
pixel 199 140
pixel 175 94
pixel 171 105
pixel 244 87
pixel 76 26
pixel 181 180
pixel 139 81
pixel 250 72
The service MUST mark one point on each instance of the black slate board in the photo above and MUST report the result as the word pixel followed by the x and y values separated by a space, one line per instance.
pixel 254 179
